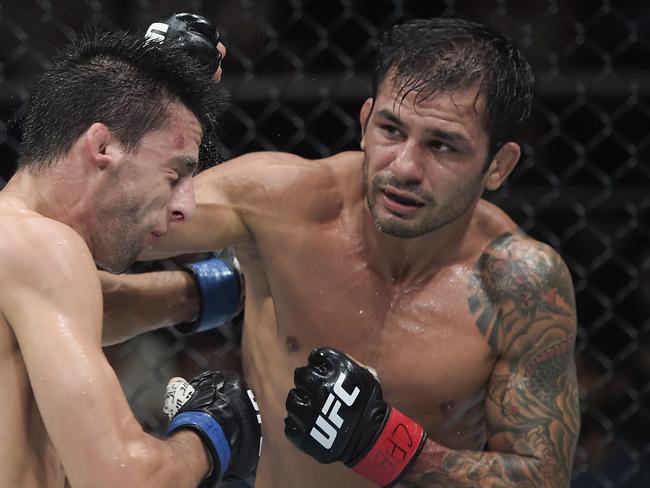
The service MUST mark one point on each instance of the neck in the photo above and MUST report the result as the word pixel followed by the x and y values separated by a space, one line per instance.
pixel 408 260
pixel 54 193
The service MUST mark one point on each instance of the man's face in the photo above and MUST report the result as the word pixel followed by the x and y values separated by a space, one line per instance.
pixel 151 187
pixel 424 162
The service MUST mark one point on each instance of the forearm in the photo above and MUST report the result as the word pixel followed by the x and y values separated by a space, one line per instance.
pixel 137 303
pixel 439 466
pixel 141 460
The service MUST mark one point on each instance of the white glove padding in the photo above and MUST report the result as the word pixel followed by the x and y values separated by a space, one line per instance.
pixel 178 392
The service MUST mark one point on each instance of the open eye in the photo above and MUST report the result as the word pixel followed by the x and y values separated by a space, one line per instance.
pixel 390 130
pixel 439 146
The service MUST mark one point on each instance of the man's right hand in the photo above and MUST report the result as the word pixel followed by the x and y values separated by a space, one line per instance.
pixel 220 407
pixel 337 412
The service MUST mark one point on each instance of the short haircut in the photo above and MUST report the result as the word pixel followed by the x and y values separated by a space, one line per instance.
pixel 123 81
pixel 427 56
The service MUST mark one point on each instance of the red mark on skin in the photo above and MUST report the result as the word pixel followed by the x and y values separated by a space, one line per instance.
pixel 178 142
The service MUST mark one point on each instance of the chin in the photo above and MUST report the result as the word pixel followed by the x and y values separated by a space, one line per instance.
pixel 396 229
pixel 116 265
pixel 111 267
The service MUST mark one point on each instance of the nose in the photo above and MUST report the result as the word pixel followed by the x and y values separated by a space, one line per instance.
pixel 407 164
pixel 182 204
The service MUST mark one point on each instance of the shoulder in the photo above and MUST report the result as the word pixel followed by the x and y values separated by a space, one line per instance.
pixel 515 259
pixel 521 284
pixel 34 246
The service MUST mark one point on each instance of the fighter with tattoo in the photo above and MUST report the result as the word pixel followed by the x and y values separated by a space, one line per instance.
pixel 389 258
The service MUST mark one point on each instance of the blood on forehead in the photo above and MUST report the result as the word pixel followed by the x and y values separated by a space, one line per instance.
pixel 178 142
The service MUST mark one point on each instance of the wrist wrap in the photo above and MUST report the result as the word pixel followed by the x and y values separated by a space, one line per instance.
pixel 220 294
pixel 212 434
pixel 396 447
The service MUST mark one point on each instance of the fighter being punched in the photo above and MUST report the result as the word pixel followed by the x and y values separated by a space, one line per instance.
pixel 111 138
pixel 390 256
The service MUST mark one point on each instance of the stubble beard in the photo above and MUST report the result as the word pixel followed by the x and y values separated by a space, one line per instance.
pixel 120 242
pixel 436 216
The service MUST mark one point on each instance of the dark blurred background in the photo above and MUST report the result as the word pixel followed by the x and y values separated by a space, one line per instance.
pixel 297 71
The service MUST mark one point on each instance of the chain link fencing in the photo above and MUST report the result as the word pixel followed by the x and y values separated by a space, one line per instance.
pixel 297 72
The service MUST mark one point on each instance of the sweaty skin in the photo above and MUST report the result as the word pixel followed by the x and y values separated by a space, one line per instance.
pixel 64 412
pixel 470 327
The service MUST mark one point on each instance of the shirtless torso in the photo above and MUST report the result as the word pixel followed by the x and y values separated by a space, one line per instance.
pixel 315 278
pixel 417 333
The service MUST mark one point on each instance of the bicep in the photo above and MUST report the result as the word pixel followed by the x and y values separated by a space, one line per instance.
pixel 532 405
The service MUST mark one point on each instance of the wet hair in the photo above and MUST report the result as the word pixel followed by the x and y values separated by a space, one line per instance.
pixel 427 56
pixel 122 81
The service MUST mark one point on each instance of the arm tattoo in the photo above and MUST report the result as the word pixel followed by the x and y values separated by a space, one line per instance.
pixel 523 302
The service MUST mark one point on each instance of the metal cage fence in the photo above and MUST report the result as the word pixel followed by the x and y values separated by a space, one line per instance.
pixel 297 72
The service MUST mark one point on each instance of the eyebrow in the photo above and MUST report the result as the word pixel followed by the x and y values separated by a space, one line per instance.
pixel 189 165
pixel 445 135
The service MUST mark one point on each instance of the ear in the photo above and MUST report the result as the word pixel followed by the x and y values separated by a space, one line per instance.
pixel 96 142
pixel 502 164
pixel 364 115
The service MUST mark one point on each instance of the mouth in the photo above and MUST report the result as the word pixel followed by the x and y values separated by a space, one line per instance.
pixel 401 202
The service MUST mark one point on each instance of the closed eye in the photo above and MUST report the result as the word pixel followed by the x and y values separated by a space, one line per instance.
pixel 174 178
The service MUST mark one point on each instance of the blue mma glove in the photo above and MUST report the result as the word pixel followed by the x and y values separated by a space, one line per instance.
pixel 220 287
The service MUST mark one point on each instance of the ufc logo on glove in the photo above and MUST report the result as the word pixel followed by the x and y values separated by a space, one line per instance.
pixel 328 430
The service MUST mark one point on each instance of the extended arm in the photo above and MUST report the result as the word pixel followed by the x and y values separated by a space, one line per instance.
pixel 138 303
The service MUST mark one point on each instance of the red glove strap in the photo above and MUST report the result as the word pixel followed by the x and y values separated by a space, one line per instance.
pixel 398 442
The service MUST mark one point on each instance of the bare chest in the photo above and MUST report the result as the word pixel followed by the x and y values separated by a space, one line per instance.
pixel 420 336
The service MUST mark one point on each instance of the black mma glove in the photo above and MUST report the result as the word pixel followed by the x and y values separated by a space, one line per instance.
pixel 192 33
pixel 337 413
pixel 222 410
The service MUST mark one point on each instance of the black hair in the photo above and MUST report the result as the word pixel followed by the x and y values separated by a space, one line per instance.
pixel 123 81
pixel 426 56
